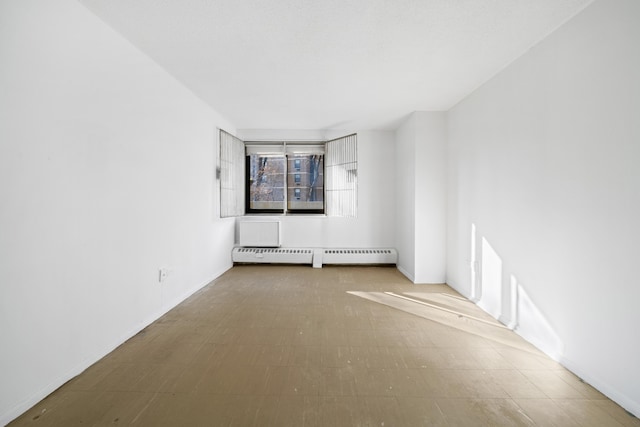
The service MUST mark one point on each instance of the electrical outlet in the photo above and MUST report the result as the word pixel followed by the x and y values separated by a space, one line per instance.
pixel 164 272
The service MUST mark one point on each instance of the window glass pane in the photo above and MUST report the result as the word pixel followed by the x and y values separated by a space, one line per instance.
pixel 266 182
pixel 305 182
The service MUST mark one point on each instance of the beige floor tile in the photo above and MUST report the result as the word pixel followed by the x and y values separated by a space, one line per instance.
pixel 421 411
pixel 585 389
pixel 125 377
pixel 379 411
pixel 373 382
pixel 414 357
pixel 480 383
pixel 306 336
pixel 307 355
pixel 334 335
pixel 186 381
pixel 237 355
pixel 416 337
pixel 483 412
pixel 442 336
pixel 303 381
pixel 209 354
pixel 266 336
pixel 343 411
pixel 454 358
pixel 288 346
pixel 372 357
pixel 490 358
pixel 277 380
pixel 526 359
pixel 514 383
pixel 587 414
pixel 443 383
pixel 338 382
pixel 335 356
pixel 91 377
pixel 552 384
pixel 546 412
pixel 406 382
pixel 617 412
pixel 224 335
pixel 222 380
pixel 301 411
pixel 274 355
pixel 87 408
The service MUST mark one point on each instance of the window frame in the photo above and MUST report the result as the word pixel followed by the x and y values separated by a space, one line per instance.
pixel 247 182
pixel 285 153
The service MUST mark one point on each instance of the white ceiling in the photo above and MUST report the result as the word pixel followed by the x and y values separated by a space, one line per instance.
pixel 333 64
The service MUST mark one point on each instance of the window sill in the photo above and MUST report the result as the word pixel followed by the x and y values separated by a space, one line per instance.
pixel 262 215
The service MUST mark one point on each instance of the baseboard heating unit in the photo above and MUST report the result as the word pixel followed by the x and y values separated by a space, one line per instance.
pixel 316 257
pixel 273 255
pixel 359 256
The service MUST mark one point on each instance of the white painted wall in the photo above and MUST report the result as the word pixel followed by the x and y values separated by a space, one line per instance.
pixel 375 225
pixel 405 197
pixel 106 174
pixel 430 197
pixel 420 197
pixel 543 163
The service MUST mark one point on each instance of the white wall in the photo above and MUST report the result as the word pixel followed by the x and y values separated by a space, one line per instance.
pixel 430 197
pixel 543 165
pixel 405 197
pixel 106 174
pixel 374 226
pixel 420 197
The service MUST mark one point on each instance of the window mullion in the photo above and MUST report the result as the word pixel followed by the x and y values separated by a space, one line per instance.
pixel 286 179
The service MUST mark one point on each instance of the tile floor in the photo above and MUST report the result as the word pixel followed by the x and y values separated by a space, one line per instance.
pixel 289 346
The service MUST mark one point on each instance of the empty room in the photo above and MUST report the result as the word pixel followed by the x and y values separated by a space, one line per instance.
pixel 315 213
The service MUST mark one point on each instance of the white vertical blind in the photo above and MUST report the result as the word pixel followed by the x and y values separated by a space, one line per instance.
pixel 231 175
pixel 341 181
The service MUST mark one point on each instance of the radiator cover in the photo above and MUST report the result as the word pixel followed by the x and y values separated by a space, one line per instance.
pixel 260 234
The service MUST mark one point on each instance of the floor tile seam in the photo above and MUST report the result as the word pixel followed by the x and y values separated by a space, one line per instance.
pixel 126 390
pixel 576 399
pixel 324 394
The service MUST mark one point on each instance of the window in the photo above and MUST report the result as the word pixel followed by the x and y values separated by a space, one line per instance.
pixel 266 183
pixel 307 185
pixel 285 178
pixel 289 177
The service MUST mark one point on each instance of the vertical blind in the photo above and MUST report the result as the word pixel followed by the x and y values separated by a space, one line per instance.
pixel 341 169
pixel 231 175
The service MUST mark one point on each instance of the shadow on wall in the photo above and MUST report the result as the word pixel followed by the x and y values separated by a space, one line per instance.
pixel 499 293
